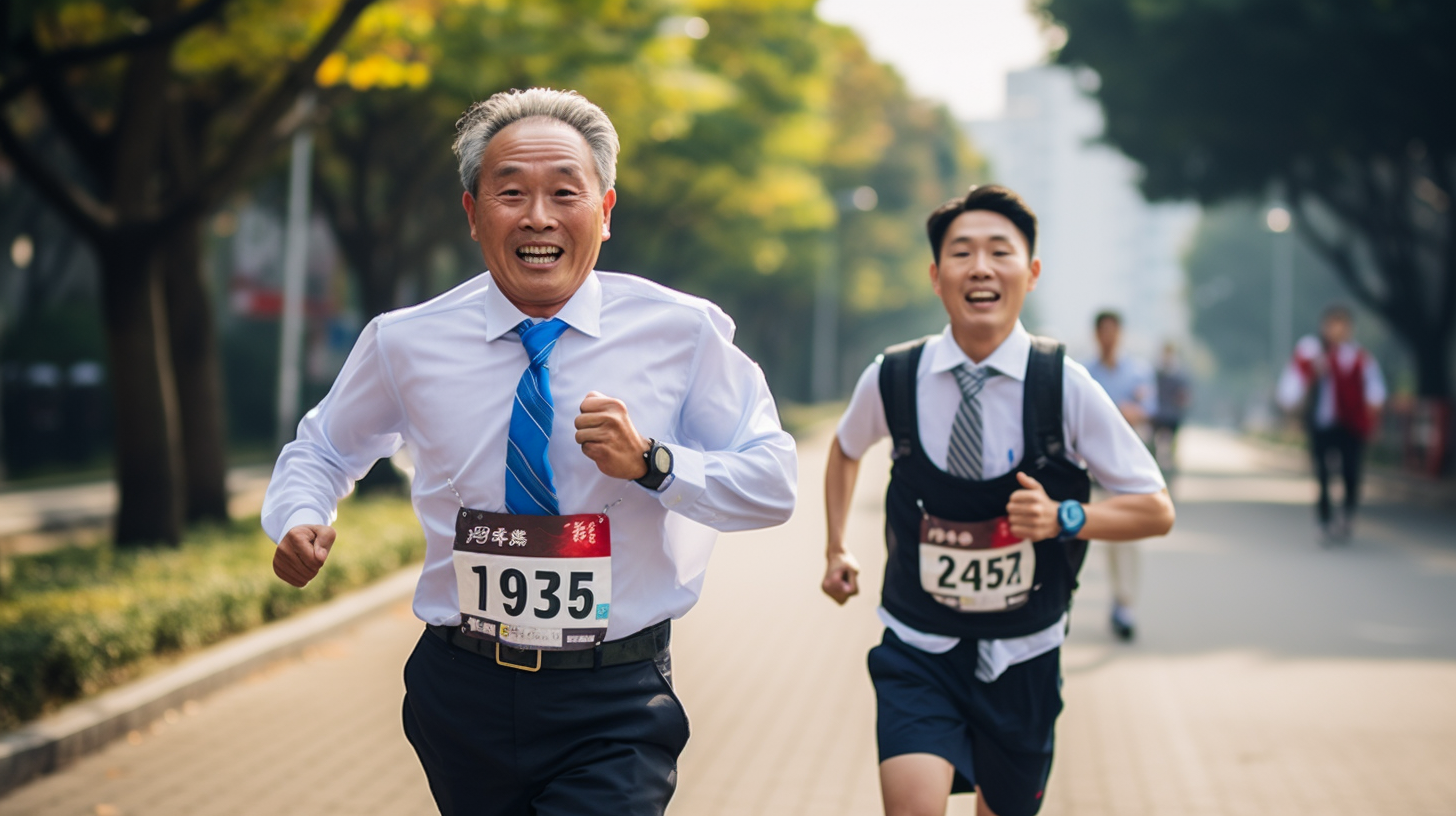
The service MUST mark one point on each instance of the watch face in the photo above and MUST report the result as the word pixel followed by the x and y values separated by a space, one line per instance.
pixel 662 460
pixel 1071 515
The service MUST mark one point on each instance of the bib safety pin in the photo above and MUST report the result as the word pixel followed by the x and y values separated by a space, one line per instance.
pixel 918 503
pixel 456 492
pixel 607 507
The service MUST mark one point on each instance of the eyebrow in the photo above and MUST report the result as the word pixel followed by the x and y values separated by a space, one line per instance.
pixel 966 239
pixel 511 169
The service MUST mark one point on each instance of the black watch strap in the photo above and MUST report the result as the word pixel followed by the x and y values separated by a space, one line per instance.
pixel 659 465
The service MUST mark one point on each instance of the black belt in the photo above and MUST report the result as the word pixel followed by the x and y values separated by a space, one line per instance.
pixel 645 645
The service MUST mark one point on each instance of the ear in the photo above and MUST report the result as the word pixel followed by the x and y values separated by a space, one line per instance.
pixel 608 202
pixel 935 278
pixel 1035 267
pixel 468 202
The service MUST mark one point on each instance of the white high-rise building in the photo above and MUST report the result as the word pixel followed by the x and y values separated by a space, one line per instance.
pixel 1102 245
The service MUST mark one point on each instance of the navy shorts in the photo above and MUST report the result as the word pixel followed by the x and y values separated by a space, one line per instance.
pixel 997 735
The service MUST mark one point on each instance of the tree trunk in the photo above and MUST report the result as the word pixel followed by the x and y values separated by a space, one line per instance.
pixel 199 379
pixel 148 431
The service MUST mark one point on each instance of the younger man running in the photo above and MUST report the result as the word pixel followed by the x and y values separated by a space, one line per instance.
pixel 987 520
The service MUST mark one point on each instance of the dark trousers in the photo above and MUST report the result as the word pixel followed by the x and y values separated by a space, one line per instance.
pixel 559 742
pixel 1350 448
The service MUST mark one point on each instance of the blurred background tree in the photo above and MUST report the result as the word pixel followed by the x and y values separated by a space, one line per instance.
pixel 1335 107
pixel 132 121
pixel 768 163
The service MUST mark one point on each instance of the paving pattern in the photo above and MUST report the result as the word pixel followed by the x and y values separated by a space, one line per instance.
pixel 1271 675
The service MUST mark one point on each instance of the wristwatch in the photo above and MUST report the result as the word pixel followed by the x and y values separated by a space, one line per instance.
pixel 1071 515
pixel 659 465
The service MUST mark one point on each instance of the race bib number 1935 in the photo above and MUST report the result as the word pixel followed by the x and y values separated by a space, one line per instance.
pixel 975 566
pixel 534 582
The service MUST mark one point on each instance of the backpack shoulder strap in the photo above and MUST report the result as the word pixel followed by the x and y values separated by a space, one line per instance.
pixel 1041 411
pixel 898 365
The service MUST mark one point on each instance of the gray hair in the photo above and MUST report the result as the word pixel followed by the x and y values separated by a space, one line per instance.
pixel 485 119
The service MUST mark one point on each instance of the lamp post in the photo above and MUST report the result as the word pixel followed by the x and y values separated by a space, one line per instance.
pixel 824 357
pixel 1281 301
pixel 295 259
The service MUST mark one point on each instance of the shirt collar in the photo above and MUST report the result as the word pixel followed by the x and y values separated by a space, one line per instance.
pixel 1009 358
pixel 582 312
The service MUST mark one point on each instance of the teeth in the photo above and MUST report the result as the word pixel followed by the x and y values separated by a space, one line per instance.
pixel 539 254
pixel 982 296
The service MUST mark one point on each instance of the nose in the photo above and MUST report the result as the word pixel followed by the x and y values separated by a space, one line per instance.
pixel 537 216
pixel 981 268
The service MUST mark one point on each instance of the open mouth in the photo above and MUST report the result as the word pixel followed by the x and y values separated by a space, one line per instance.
pixel 539 255
pixel 982 297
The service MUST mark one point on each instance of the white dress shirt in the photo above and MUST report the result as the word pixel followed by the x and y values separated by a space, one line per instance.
pixel 1292 387
pixel 1097 437
pixel 440 379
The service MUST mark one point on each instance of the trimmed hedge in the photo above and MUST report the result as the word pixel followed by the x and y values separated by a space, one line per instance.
pixel 78 620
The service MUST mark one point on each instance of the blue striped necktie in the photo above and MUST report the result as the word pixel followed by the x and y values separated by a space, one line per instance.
pixel 530 490
pixel 963 457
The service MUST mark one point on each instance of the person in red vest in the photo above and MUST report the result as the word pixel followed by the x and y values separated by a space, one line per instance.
pixel 1339 387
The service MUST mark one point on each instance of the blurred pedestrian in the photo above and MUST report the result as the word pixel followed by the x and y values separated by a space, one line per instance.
pixel 1174 395
pixel 1130 383
pixel 994 435
pixel 553 562
pixel 1337 387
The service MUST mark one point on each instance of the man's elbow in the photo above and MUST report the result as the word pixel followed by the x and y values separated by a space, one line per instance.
pixel 781 507
pixel 1163 514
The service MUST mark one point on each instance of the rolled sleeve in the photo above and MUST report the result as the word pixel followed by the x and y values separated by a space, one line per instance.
pixel 1100 436
pixel 863 423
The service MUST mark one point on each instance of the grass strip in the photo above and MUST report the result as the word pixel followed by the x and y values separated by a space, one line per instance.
pixel 78 620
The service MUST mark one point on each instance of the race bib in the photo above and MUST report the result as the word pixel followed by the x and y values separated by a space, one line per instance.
pixel 534 582
pixel 975 566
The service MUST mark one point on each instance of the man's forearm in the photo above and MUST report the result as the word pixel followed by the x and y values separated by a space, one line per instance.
pixel 1128 517
pixel 840 475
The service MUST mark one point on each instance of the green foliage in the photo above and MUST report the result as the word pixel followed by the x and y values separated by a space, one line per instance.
pixel 1340 108
pixel 739 151
pixel 1217 97
pixel 78 620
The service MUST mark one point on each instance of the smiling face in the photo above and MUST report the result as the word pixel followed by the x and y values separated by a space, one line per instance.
pixel 537 213
pixel 982 277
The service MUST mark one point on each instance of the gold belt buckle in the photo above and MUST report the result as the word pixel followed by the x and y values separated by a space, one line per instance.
pixel 518 666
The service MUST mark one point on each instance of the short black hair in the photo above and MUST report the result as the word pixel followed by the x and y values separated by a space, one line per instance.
pixel 992 197
pixel 1338 311
pixel 1107 314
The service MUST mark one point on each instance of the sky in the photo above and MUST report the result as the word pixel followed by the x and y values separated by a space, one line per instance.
pixel 955 51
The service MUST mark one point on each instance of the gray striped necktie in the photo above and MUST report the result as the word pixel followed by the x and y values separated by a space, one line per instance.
pixel 963 458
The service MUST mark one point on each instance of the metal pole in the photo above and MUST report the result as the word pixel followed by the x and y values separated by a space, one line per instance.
pixel 295 260
pixel 1282 303
pixel 824 358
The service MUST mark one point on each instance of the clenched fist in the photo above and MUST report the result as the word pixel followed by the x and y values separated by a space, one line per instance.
pixel 841 578
pixel 302 552
pixel 607 437
pixel 1032 513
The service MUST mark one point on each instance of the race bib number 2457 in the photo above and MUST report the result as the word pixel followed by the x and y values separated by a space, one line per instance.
pixel 975 566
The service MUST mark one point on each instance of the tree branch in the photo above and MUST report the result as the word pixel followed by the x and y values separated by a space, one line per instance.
pixel 42 65
pixel 88 216
pixel 1340 257
pixel 156 34
pixel 232 164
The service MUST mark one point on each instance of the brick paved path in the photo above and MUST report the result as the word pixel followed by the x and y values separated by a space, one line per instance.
pixel 1270 676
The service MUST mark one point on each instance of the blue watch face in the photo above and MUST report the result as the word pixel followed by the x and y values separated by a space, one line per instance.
pixel 1071 516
